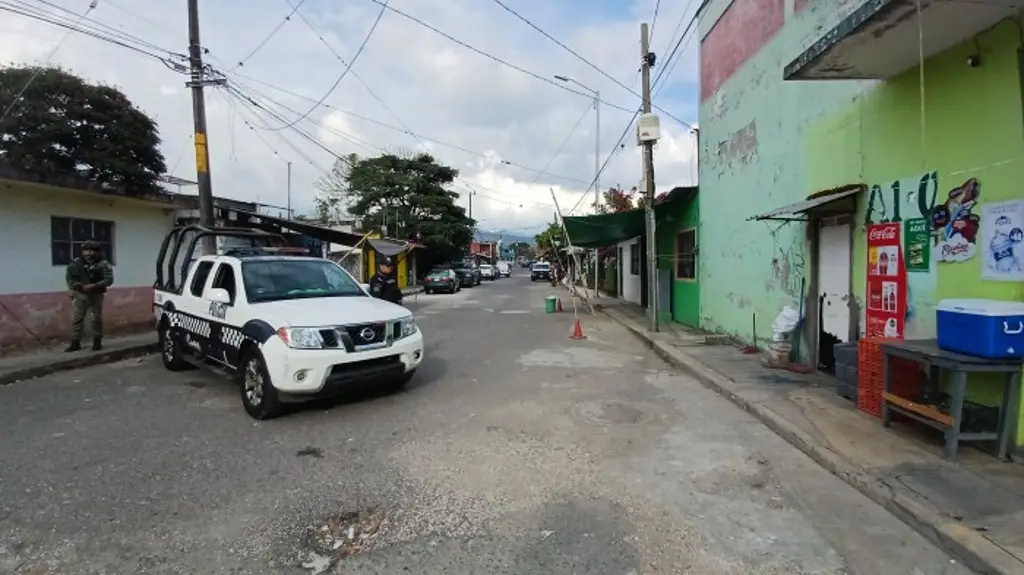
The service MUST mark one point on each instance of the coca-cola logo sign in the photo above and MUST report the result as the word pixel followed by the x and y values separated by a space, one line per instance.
pixel 883 233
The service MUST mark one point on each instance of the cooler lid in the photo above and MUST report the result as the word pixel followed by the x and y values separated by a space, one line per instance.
pixel 986 307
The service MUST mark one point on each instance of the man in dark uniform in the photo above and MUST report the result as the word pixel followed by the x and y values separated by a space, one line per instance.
pixel 384 284
pixel 88 277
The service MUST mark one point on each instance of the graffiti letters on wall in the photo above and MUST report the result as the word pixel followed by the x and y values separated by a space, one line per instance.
pixel 788 266
pixel 953 225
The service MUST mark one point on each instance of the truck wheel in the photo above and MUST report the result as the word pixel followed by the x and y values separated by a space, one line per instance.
pixel 259 397
pixel 170 349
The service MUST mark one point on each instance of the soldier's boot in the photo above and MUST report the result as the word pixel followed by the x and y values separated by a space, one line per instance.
pixel 97 343
pixel 74 346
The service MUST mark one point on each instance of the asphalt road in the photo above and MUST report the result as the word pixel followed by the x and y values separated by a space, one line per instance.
pixel 515 450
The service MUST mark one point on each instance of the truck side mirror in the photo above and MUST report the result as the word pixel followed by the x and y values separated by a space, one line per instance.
pixel 218 295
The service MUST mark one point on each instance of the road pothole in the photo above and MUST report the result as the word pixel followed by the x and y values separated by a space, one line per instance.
pixel 336 537
pixel 608 412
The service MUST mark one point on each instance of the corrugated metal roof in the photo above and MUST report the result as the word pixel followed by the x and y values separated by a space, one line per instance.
pixel 812 204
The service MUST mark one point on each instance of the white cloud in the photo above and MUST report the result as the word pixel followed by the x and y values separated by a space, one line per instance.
pixel 448 94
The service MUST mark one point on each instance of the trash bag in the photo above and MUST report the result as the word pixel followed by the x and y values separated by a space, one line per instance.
pixel 787 321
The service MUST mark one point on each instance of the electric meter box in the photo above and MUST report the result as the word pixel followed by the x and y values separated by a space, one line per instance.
pixel 648 129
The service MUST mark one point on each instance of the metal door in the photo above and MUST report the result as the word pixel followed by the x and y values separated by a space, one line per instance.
pixel 834 278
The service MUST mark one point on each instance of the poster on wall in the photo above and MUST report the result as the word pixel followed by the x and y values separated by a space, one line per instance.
pixel 917 245
pixel 1002 225
pixel 955 225
pixel 886 282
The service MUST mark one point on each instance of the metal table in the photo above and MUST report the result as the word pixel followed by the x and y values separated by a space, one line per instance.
pixel 927 352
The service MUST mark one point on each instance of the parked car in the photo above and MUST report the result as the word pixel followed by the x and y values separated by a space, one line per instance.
pixel 442 279
pixel 467 272
pixel 504 269
pixel 488 272
pixel 540 271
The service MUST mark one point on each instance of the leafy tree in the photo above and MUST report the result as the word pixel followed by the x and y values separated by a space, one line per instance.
pixel 549 237
pixel 616 200
pixel 402 196
pixel 64 127
pixel 331 201
pixel 522 250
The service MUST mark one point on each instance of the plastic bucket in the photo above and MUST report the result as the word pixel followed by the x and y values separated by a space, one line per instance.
pixel 549 304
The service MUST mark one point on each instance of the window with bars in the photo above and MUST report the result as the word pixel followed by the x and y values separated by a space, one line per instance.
pixel 686 255
pixel 634 259
pixel 68 234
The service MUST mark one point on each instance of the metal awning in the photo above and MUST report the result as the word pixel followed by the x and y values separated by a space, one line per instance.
pixel 386 247
pixel 314 231
pixel 880 39
pixel 827 203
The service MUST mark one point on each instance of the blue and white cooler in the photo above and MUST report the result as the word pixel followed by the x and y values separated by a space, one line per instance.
pixel 986 328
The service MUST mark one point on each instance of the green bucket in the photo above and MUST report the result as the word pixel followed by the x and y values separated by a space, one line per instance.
pixel 549 304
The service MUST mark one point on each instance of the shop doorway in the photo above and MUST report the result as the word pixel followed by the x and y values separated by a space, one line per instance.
pixel 833 279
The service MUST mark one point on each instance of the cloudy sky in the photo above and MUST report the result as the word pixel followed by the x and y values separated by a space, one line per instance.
pixel 409 88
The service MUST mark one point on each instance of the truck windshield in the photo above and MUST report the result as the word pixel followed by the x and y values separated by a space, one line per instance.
pixel 274 280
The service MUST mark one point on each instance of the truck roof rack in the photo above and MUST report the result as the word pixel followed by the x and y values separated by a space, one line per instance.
pixel 249 252
pixel 168 280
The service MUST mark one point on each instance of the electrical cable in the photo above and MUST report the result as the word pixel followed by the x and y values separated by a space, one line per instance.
pixel 272 33
pixel 696 17
pixel 39 69
pixel 344 72
pixel 405 131
pixel 494 58
pixel 95 23
pixel 562 45
pixel 654 21
pixel 6 7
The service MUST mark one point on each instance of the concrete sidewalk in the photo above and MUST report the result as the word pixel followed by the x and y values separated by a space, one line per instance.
pixel 52 359
pixel 973 508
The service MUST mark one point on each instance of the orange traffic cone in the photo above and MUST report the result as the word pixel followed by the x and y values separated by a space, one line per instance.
pixel 577 330
pixel 558 305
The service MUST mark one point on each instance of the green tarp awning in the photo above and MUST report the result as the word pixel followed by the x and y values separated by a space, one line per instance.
pixel 603 230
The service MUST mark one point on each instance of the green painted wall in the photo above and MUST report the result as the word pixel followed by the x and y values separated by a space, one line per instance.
pixel 752 161
pixel 679 216
pixel 973 128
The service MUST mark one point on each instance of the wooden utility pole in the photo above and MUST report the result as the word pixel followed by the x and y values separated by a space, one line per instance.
pixel 646 59
pixel 197 81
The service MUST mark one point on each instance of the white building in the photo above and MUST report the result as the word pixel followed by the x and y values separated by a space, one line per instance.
pixel 629 255
pixel 42 227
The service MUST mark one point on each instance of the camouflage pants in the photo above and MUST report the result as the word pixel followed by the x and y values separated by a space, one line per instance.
pixel 83 305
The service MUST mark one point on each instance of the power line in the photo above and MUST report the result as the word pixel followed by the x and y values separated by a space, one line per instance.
pixel 39 69
pixel 654 21
pixel 50 19
pixel 406 131
pixel 582 59
pixel 344 72
pixel 96 23
pixel 273 32
pixel 695 19
pixel 489 56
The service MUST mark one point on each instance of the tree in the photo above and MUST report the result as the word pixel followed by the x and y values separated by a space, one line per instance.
pixel 550 237
pixel 331 201
pixel 522 250
pixel 616 200
pixel 64 127
pixel 402 196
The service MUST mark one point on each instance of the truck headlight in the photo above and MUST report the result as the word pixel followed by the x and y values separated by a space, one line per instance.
pixel 301 337
pixel 408 326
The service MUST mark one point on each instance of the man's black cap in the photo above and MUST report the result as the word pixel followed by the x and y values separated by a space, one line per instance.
pixel 91 245
pixel 386 261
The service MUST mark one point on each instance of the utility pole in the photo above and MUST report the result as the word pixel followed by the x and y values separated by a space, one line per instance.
pixel 597 175
pixel 289 190
pixel 196 82
pixel 652 257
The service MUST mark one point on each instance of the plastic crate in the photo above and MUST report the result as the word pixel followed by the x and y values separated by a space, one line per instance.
pixel 846 376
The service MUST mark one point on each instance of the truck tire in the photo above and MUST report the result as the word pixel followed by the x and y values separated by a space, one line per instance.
pixel 259 396
pixel 170 349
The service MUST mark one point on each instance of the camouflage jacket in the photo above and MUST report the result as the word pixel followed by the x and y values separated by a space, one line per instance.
pixel 80 273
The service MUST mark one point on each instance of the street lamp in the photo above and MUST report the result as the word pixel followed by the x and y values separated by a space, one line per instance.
pixel 597 153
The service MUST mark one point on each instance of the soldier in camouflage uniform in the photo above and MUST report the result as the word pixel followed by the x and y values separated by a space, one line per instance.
pixel 88 277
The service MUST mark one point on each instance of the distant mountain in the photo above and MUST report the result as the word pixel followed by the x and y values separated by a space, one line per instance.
pixel 507 238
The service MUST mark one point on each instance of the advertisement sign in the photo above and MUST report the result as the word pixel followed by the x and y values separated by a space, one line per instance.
pixel 886 308
pixel 1002 226
pixel 917 245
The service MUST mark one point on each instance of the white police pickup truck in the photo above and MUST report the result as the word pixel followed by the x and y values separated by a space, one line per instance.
pixel 288 328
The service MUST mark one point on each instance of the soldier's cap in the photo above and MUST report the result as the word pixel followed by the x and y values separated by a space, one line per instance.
pixel 91 245
pixel 386 261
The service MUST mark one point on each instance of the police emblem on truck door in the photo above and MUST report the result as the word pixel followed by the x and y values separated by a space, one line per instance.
pixel 218 310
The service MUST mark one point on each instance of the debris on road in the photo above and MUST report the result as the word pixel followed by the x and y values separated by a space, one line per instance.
pixel 342 536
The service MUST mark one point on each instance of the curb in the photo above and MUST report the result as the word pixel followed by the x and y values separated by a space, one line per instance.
pixel 973 549
pixel 90 360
